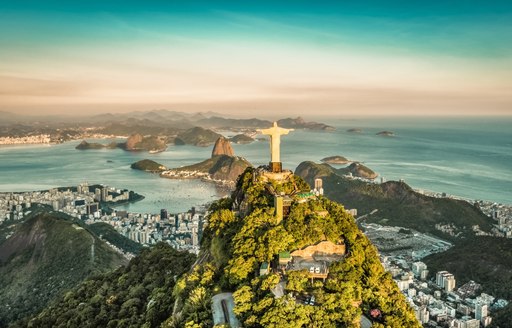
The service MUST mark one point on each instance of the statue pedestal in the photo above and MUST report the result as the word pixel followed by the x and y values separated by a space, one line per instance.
pixel 276 167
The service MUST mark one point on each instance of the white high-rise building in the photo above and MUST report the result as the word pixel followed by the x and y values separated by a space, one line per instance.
pixel 449 283
pixel 418 268
pixel 481 311
pixel 439 278
pixel 445 280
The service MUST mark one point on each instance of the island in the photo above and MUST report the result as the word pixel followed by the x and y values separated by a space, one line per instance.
pixel 135 142
pixel 241 139
pixel 148 165
pixel 386 133
pixel 84 145
pixel 335 160
pixel 355 130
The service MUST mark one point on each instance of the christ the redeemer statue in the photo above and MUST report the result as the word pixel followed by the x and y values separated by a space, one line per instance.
pixel 275 133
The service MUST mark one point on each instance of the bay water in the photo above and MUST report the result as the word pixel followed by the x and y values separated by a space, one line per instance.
pixel 470 157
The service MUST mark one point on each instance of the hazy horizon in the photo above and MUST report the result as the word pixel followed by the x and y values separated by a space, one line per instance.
pixel 398 58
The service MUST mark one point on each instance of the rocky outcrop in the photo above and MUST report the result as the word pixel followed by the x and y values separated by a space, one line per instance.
pixel 222 147
pixel 133 141
pixel 197 136
pixel 223 166
pixel 359 170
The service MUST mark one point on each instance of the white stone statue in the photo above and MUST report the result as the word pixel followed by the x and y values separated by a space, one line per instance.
pixel 275 133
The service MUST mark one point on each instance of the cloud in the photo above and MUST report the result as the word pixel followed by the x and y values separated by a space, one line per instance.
pixel 33 87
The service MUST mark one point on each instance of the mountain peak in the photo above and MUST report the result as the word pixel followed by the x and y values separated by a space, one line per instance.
pixel 222 147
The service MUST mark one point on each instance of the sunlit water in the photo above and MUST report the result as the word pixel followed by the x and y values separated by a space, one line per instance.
pixel 466 157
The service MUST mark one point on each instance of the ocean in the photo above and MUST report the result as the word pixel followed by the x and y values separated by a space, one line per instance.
pixel 470 157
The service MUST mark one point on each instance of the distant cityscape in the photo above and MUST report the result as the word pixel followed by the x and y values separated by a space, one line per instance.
pixel 92 204
pixel 34 139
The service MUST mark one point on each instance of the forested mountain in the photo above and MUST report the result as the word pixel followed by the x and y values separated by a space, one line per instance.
pixel 246 240
pixel 46 254
pixel 244 232
pixel 137 295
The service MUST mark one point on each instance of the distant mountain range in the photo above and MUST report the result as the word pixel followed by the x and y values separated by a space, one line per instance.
pixel 161 123
pixel 160 118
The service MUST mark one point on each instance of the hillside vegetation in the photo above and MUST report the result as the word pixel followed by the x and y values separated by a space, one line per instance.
pixel 148 166
pixel 396 203
pixel 235 243
pixel 487 260
pixel 47 254
pixel 197 136
pixel 138 295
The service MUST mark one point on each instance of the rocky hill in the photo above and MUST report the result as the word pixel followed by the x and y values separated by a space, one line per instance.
pixel 222 166
pixel 46 254
pixel 197 136
pixel 222 147
pixel 358 170
pixel 300 123
pixel 241 139
pixel 148 166
pixel 135 142
pixel 396 203
pixel 138 142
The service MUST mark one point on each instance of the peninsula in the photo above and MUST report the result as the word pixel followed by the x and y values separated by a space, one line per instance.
pixel 223 167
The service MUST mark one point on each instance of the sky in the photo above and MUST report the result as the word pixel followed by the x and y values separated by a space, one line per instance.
pixel 257 57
